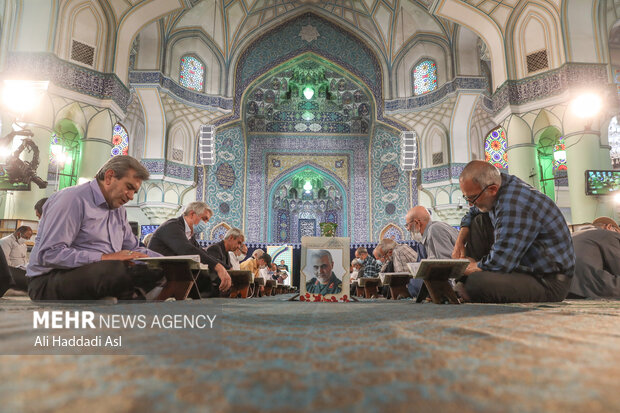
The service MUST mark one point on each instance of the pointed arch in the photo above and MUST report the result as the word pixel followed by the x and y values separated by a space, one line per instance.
pixel 535 29
pixel 180 142
pixel 87 23
pixel 217 232
pixel 435 145
pixel 275 183
pixel 392 231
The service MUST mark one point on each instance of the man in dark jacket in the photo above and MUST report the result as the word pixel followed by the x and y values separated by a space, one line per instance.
pixel 177 237
pixel 597 269
pixel 232 241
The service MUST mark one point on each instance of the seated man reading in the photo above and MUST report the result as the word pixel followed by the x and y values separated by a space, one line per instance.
pixel 16 253
pixel 597 269
pixel 177 237
pixel 438 238
pixel 324 281
pixel 84 242
pixel 219 251
pixel 530 257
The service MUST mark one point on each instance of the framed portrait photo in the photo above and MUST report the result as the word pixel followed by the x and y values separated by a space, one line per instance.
pixel 325 267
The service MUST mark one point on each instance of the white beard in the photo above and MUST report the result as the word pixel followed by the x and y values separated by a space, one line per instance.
pixel 417 236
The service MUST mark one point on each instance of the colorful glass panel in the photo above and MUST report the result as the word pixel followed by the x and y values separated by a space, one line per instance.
pixel 424 77
pixel 559 156
pixel 614 142
pixel 192 73
pixel 120 140
pixel 495 148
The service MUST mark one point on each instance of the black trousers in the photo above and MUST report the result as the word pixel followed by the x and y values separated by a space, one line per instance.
pixel 120 279
pixel 514 287
pixel 20 281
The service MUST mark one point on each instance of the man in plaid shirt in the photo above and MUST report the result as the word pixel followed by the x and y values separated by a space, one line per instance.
pixel 522 250
pixel 370 266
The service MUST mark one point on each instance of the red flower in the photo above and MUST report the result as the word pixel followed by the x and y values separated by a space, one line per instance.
pixel 302 298
pixel 344 299
pixel 334 299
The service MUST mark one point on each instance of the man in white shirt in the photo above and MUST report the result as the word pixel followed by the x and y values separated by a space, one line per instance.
pixel 16 254
pixel 237 256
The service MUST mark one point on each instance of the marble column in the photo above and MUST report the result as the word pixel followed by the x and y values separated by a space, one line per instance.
pixel 95 152
pixel 583 151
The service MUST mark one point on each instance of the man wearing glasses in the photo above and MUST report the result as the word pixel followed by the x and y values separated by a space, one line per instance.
pixel 177 237
pixel 530 257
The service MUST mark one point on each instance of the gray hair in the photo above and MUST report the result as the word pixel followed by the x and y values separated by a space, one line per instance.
pixel 258 251
pixel 198 207
pixel 387 245
pixel 323 253
pixel 482 173
pixel 234 233
pixel 121 165
pixel 361 250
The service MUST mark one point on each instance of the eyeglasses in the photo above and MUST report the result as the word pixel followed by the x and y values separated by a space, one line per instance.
pixel 473 200
pixel 408 224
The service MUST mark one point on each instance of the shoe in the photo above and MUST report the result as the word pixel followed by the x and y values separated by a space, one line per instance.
pixel 109 300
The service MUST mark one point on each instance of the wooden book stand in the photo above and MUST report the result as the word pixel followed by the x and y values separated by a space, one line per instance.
pixel 240 283
pixel 181 281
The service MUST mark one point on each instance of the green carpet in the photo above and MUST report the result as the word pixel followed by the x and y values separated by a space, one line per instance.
pixel 376 355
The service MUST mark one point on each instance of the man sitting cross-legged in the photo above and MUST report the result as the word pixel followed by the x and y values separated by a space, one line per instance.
pixel 84 242
pixel 531 257
pixel 177 237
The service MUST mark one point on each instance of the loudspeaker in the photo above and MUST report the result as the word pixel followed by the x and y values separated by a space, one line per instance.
pixel 206 145
pixel 409 151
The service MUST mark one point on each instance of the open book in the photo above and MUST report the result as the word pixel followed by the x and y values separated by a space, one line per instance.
pixel 193 260
pixel 438 268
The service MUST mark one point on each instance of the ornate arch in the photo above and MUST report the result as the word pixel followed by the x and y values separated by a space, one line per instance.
pixel 217 232
pixel 292 171
pixel 392 231
pixel 266 53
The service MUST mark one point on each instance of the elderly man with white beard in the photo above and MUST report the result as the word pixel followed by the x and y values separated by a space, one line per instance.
pixel 437 237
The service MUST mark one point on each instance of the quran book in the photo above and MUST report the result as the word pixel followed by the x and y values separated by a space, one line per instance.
pixel 438 268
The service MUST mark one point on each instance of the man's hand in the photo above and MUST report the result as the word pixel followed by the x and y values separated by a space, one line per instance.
pixel 458 251
pixel 472 267
pixel 124 255
pixel 225 281
pixel 459 245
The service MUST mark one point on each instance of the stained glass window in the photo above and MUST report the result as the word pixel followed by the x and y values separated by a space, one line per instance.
pixel 192 73
pixel 495 148
pixel 120 140
pixel 424 77
pixel 614 142
pixel 559 156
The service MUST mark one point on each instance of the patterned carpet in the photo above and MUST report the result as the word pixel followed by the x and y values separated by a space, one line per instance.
pixel 375 355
